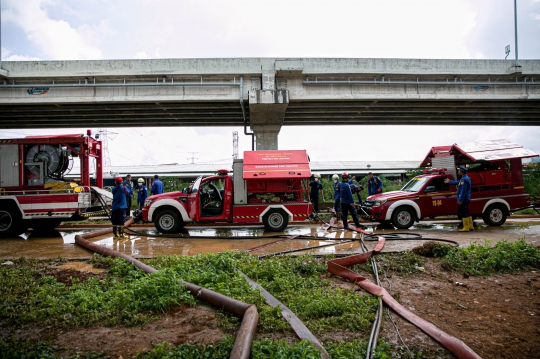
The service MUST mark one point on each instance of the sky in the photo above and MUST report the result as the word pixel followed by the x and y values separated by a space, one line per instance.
pixel 144 29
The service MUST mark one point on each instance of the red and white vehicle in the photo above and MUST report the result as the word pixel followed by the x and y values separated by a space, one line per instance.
pixel 495 169
pixel 33 191
pixel 268 186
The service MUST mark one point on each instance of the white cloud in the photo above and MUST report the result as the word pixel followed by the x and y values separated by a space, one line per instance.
pixel 8 55
pixel 56 39
pixel 535 16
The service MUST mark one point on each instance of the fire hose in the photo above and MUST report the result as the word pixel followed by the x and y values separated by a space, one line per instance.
pixel 248 312
pixel 339 266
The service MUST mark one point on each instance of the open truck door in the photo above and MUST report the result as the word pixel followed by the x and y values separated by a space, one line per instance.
pixel 214 199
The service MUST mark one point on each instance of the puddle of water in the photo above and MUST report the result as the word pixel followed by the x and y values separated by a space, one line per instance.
pixel 199 240
pixel 81 266
pixel 53 237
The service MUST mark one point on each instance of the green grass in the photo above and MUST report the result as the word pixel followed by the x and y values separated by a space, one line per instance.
pixel 485 259
pixel 124 297
pixel 37 349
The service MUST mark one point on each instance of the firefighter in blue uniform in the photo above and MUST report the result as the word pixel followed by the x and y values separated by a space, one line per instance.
pixel 128 183
pixel 119 205
pixel 463 197
pixel 347 202
pixel 157 186
pixel 142 192
pixel 374 184
pixel 316 187
pixel 337 209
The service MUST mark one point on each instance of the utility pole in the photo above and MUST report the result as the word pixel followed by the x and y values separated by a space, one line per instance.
pixel 515 31
pixel 193 158
pixel 235 144
pixel 104 135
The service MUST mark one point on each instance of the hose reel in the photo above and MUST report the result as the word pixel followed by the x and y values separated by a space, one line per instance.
pixel 54 160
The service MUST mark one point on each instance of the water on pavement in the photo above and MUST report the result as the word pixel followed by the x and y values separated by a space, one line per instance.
pixel 149 243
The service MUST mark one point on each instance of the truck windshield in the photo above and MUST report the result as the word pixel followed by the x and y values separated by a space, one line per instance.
pixel 415 184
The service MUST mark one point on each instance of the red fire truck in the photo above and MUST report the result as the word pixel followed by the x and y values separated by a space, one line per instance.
pixel 34 192
pixel 495 170
pixel 268 186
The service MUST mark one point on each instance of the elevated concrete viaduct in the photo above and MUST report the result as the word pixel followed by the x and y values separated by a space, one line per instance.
pixel 264 94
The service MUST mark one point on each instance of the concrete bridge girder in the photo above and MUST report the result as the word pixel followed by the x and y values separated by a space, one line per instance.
pixel 207 92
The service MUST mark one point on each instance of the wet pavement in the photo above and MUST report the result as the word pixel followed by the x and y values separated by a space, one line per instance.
pixel 147 242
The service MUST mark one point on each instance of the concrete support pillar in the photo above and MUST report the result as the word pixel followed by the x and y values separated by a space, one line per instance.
pixel 266 113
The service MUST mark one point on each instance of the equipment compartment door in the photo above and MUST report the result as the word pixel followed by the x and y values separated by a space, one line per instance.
pixel 9 165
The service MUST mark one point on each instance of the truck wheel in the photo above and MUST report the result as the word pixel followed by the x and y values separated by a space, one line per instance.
pixel 495 215
pixel 167 222
pixel 276 220
pixel 10 223
pixel 403 217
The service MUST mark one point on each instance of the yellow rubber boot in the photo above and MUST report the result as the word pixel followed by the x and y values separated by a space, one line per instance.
pixel 121 230
pixel 471 224
pixel 465 225
pixel 115 232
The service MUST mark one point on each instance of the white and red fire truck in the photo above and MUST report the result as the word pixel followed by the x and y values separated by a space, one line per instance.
pixel 34 192
pixel 495 169
pixel 268 186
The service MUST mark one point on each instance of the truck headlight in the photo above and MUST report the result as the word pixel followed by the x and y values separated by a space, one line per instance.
pixel 380 202
pixel 147 202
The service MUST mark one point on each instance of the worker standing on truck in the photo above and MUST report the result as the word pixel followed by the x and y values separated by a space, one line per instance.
pixel 316 187
pixel 463 197
pixel 374 184
pixel 142 192
pixel 157 186
pixel 347 202
pixel 119 205
pixel 128 183
pixel 337 206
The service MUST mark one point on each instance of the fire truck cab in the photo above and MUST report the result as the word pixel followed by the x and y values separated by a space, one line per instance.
pixel 495 169
pixel 34 192
pixel 268 187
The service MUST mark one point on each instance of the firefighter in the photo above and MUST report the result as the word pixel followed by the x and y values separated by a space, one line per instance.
pixel 128 183
pixel 157 186
pixel 119 206
pixel 356 189
pixel 463 197
pixel 142 192
pixel 337 209
pixel 374 184
pixel 347 202
pixel 316 187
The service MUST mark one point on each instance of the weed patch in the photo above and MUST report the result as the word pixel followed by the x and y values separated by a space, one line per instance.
pixel 484 259
pixel 266 349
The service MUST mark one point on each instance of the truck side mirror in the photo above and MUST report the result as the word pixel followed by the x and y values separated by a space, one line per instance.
pixel 430 189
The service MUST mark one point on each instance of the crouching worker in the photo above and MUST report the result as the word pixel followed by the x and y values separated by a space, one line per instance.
pixel 119 206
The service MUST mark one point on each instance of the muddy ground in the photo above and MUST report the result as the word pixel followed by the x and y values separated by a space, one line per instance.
pixel 498 316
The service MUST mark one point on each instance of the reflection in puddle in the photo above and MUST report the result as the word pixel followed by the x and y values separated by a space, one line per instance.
pixel 81 266
pixel 146 242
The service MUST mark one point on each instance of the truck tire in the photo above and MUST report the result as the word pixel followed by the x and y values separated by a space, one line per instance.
pixel 11 223
pixel 495 215
pixel 403 217
pixel 168 222
pixel 275 220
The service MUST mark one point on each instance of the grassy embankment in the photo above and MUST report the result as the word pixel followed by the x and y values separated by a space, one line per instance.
pixel 128 297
